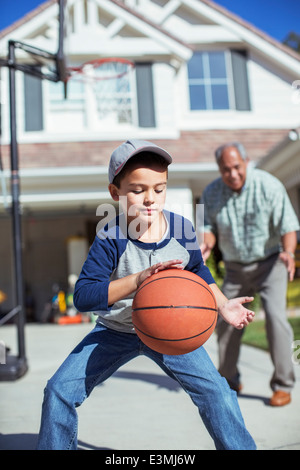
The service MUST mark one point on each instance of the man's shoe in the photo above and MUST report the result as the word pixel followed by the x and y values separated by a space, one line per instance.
pixel 280 398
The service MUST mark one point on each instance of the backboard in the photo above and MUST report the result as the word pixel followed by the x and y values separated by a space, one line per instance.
pixel 45 63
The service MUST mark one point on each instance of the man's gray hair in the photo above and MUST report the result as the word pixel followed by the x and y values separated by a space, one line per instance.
pixel 240 148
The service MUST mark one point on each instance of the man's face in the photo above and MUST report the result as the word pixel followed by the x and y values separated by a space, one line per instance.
pixel 233 169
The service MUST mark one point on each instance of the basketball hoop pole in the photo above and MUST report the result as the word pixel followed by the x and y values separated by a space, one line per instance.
pixel 16 366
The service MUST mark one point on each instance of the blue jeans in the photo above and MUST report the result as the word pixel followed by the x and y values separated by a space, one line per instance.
pixel 101 353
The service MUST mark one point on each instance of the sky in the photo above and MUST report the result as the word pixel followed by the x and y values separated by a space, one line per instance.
pixel 275 17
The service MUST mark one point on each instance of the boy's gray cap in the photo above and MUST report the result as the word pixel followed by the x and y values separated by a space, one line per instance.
pixel 128 149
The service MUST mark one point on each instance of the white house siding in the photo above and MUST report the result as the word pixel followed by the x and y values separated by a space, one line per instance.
pixel 271 101
pixel 271 96
pixel 272 107
pixel 59 205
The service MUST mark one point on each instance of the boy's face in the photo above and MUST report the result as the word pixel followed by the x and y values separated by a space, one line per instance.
pixel 142 192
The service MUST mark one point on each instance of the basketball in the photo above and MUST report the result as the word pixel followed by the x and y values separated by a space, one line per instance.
pixel 174 312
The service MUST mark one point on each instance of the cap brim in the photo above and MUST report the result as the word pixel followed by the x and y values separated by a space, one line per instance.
pixel 151 149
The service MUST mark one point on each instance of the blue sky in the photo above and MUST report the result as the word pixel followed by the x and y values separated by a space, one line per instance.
pixel 275 17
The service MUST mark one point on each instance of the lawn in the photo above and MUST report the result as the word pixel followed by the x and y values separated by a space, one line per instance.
pixel 293 294
pixel 255 334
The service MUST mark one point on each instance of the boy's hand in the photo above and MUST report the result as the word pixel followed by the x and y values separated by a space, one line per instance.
pixel 174 263
pixel 235 313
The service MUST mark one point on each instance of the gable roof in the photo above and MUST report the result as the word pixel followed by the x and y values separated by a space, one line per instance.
pixel 244 33
pixel 250 27
pixel 135 20
pixel 250 33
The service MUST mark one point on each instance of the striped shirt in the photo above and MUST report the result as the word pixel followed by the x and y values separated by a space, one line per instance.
pixel 115 255
pixel 249 225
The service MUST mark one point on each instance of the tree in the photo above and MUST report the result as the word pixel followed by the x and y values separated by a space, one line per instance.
pixel 293 41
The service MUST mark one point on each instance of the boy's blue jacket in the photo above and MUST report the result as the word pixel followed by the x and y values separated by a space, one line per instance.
pixel 115 255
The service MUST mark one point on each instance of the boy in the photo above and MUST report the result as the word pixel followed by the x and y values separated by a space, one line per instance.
pixel 122 256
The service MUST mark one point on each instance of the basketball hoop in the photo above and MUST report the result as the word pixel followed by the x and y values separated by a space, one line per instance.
pixel 111 68
pixel 110 82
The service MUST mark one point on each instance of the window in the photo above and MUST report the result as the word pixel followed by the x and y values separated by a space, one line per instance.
pixel 113 96
pixel 75 95
pixel 208 81
pixel 103 100
pixel 96 96
pixel 218 81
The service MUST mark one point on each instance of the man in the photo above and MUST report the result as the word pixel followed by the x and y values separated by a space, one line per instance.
pixel 248 212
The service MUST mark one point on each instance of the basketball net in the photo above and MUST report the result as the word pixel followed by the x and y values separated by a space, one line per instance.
pixel 110 81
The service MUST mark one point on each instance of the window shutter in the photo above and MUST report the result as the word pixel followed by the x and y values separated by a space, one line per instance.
pixel 145 95
pixel 33 102
pixel 240 80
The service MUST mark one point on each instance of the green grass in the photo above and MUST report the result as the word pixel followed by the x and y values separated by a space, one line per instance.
pixel 293 294
pixel 255 334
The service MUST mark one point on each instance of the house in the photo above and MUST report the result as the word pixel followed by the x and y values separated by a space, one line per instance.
pixel 202 76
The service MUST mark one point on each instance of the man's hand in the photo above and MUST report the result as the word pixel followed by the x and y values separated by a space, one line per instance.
pixel 206 251
pixel 289 244
pixel 289 262
pixel 207 245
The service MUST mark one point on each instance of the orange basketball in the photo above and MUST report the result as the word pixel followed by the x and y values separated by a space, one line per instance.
pixel 174 312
